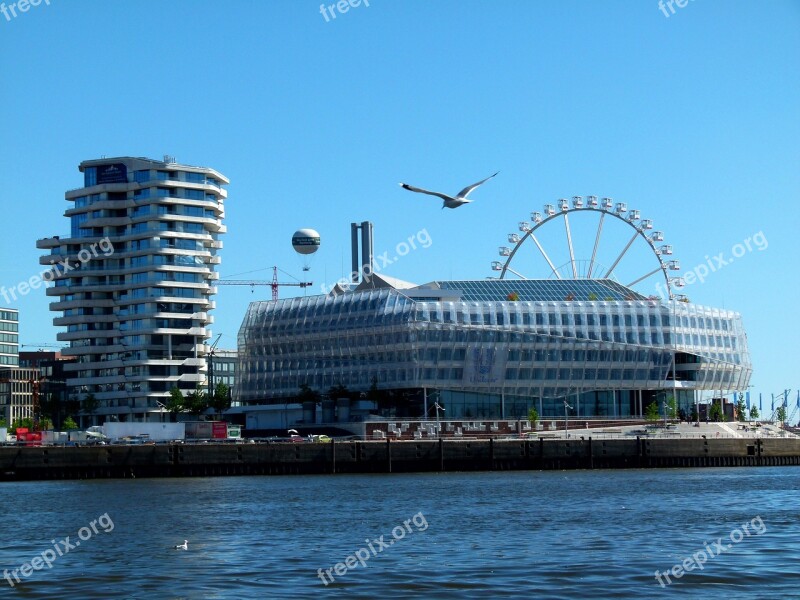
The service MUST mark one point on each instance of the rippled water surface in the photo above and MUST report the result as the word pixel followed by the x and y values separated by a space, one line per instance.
pixel 574 534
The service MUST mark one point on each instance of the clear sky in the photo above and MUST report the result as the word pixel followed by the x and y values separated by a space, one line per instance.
pixel 693 118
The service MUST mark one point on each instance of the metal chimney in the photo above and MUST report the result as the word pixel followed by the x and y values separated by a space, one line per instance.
pixel 362 269
pixel 354 249
pixel 366 251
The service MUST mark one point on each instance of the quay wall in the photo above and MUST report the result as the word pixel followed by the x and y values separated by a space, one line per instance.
pixel 186 460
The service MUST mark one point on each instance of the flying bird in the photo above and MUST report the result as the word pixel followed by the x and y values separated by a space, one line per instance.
pixel 449 201
pixel 183 546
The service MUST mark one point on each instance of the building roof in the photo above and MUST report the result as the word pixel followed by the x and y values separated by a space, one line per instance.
pixel 540 289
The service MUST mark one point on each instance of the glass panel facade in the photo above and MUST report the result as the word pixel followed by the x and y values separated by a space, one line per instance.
pixel 610 354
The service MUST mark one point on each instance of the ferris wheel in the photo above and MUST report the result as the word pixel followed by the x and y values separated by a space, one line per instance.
pixel 593 213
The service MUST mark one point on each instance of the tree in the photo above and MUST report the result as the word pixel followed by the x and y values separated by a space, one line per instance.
pixel 754 413
pixel 3 422
pixel 338 391
pixel 90 404
pixel 651 412
pixel 781 414
pixel 694 416
pixel 221 400
pixel 715 412
pixel 27 422
pixel 196 402
pixel 69 423
pixel 533 416
pixel 672 408
pixel 307 394
pixel 741 409
pixel 176 402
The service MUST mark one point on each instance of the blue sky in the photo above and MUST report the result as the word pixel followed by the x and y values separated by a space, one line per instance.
pixel 692 118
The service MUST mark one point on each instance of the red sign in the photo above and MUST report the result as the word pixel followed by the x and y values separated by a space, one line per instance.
pixel 219 430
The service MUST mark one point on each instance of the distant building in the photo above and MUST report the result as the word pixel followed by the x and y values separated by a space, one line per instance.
pixel 9 337
pixel 134 282
pixel 55 399
pixel 16 393
pixel 225 368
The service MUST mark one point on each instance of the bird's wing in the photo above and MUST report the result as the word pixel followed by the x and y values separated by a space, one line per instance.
pixel 411 188
pixel 463 193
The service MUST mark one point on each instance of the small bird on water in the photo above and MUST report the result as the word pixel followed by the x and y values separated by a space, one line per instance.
pixel 183 546
pixel 449 201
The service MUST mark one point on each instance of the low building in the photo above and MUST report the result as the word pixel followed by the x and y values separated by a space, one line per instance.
pixel 17 393
pixel 491 349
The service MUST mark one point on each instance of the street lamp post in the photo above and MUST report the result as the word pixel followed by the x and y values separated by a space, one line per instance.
pixel 438 427
pixel 567 407
pixel 163 408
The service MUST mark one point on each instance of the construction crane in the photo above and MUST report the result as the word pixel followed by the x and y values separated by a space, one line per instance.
pixel 43 346
pixel 274 284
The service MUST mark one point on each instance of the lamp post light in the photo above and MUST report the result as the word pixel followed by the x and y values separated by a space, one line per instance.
pixel 163 408
pixel 438 427
pixel 567 407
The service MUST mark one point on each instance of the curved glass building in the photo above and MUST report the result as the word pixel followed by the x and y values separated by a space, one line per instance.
pixel 492 348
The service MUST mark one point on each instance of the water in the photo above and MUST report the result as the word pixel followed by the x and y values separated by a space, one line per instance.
pixel 573 534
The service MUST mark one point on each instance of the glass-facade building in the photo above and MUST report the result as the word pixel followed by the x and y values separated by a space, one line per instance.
pixel 134 282
pixel 9 337
pixel 494 348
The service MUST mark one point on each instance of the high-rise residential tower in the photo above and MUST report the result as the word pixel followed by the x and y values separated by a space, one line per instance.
pixel 134 281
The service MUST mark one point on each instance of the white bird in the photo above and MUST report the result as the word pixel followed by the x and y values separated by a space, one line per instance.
pixel 183 546
pixel 449 201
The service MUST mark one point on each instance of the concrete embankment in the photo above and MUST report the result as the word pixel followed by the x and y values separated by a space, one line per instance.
pixel 183 460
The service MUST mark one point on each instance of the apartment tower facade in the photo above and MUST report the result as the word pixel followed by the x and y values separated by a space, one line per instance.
pixel 134 282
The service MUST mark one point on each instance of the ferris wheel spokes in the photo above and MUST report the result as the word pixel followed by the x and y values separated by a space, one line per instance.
pixel 569 243
pixel 619 258
pixel 547 258
pixel 596 244
pixel 595 268
pixel 643 277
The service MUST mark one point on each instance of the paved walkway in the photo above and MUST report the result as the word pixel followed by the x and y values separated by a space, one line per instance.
pixel 682 430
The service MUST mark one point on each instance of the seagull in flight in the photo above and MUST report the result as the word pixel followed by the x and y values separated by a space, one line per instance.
pixel 183 546
pixel 449 201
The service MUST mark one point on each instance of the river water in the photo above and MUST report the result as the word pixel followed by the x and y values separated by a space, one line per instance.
pixel 566 534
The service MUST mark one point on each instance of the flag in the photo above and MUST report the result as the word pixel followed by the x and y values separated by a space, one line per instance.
pixel 773 403
pixel 760 403
pixel 786 398
pixel 798 398
pixel 748 400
